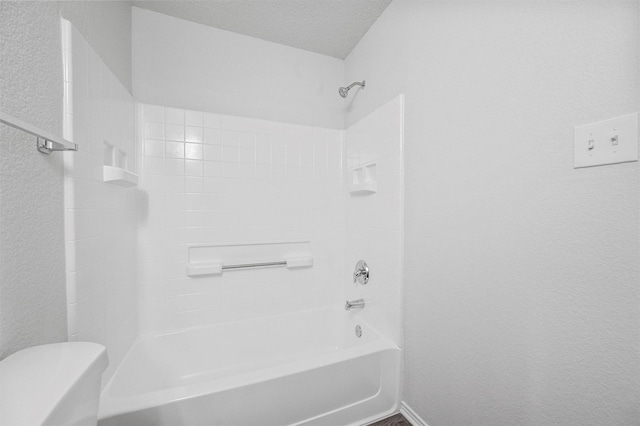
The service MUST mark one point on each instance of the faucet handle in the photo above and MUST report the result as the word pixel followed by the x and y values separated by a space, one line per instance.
pixel 361 273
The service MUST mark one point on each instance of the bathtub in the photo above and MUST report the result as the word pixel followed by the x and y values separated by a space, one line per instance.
pixel 304 368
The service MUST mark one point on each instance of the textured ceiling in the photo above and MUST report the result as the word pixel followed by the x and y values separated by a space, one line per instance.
pixel 329 27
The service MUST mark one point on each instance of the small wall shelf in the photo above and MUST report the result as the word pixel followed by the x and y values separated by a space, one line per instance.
pixel 115 167
pixel 363 179
pixel 118 176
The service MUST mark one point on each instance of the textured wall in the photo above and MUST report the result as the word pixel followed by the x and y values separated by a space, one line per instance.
pixel 188 65
pixel 32 286
pixel 522 282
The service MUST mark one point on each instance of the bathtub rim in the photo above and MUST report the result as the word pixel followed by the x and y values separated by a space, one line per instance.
pixel 112 405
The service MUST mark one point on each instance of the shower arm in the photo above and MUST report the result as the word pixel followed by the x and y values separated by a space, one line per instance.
pixel 357 83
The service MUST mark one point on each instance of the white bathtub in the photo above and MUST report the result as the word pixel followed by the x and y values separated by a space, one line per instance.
pixel 305 368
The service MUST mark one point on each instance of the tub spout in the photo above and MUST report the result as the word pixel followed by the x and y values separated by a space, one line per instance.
pixel 354 304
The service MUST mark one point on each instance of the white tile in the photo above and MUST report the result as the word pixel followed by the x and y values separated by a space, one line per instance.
pixel 193 183
pixel 334 162
pixel 262 127
pixel 278 130
pixel 213 152
pixel 278 171
pixel 229 138
pixel 212 136
pixel 247 155
pixel 67 127
pixel 174 149
pixel 153 148
pixel 212 120
pixel 263 152
pixel 151 183
pixel 278 144
pixel 173 167
pixel 306 154
pixel 174 116
pixel 278 158
pixel 194 118
pixel 173 218
pixel 320 153
pixel 194 134
pixel 334 137
pixel 229 122
pixel 246 170
pixel 153 165
pixel 212 185
pixel 230 153
pixel 212 169
pixel 172 184
pixel 246 140
pixel 155 200
pixel 193 151
pixel 174 132
pixel 263 172
pixel 174 201
pixel 194 168
pixel 72 318
pixel 153 113
pixel 154 130
pixel 86 224
pixel 246 124
pixel 230 170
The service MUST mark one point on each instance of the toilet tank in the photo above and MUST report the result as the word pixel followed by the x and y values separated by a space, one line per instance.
pixel 56 384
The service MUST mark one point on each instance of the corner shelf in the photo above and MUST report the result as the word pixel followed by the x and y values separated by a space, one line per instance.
pixel 363 188
pixel 118 176
pixel 363 179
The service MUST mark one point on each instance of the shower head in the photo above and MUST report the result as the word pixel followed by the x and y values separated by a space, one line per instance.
pixel 344 91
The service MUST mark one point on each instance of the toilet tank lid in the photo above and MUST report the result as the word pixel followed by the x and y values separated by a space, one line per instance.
pixel 39 381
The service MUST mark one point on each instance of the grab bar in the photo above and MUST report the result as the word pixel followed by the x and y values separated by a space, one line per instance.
pixel 195 269
pixel 46 143
pixel 254 265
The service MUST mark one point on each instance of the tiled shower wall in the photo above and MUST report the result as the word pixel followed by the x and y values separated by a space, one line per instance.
pixel 375 220
pixel 212 179
pixel 100 227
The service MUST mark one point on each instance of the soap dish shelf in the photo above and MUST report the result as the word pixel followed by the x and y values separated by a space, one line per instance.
pixel 119 176
pixel 363 188
pixel 364 179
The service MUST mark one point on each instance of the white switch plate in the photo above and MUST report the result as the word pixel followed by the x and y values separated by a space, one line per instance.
pixel 606 142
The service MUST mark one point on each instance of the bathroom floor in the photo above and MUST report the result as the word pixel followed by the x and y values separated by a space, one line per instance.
pixel 395 420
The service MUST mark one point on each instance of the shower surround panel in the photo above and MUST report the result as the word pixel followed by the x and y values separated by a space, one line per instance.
pixel 100 230
pixel 212 179
pixel 375 221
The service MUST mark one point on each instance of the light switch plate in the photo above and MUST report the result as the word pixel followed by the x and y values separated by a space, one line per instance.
pixel 606 142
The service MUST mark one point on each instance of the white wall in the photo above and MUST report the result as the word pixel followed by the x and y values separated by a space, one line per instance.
pixel 522 281
pixel 219 179
pixel 374 226
pixel 188 65
pixel 100 218
pixel 31 188
pixel 106 25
